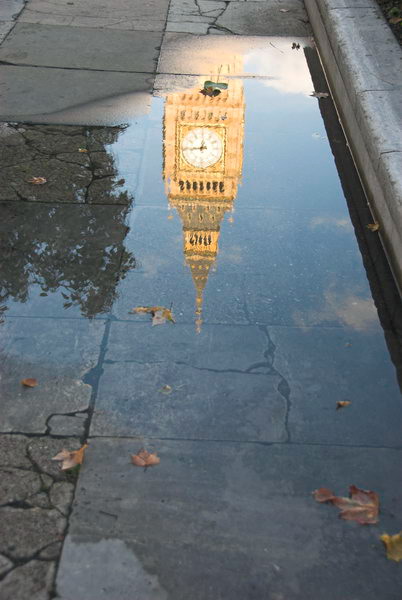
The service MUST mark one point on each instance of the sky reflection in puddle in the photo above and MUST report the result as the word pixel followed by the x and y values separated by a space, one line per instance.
pixel 229 207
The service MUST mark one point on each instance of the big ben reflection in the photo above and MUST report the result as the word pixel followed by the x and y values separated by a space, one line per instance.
pixel 203 155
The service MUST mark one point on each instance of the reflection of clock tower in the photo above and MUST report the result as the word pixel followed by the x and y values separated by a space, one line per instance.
pixel 203 152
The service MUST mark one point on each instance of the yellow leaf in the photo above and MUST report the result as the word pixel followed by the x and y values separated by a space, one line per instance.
pixel 393 544
pixel 373 226
pixel 30 382
pixel 342 404
pixel 70 458
pixel 82 150
pixel 37 180
pixel 160 314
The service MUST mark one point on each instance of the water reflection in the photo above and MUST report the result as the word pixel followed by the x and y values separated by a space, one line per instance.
pixel 202 158
pixel 71 253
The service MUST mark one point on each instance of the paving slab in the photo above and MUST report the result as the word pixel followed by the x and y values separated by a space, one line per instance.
pixel 237 520
pixel 58 353
pixel 83 48
pixel 205 372
pixel 38 94
pixel 149 15
pixel 264 18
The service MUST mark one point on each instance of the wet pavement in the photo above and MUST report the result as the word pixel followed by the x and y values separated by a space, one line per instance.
pixel 230 211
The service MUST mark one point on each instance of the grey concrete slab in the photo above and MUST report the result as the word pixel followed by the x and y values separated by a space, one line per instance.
pixel 131 15
pixel 10 9
pixel 237 520
pixel 58 353
pixel 378 113
pixel 214 395
pixel 42 95
pixel 5 28
pixel 264 18
pixel 323 366
pixel 83 48
pixel 365 29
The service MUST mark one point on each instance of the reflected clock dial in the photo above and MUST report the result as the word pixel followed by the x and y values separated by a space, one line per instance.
pixel 202 147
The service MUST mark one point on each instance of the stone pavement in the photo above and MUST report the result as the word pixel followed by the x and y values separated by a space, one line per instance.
pixel 247 426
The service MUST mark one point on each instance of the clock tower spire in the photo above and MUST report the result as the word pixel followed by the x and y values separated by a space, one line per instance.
pixel 203 151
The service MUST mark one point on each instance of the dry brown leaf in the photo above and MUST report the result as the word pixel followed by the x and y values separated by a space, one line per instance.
pixel 362 506
pixel 319 95
pixel 393 544
pixel 373 226
pixel 30 382
pixel 395 20
pixel 37 180
pixel 70 458
pixel 82 150
pixel 160 314
pixel 145 459
pixel 342 404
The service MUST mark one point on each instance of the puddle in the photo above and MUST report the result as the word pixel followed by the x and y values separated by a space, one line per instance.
pixel 228 208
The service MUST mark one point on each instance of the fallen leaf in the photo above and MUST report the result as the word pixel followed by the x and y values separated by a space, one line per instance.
pixel 70 458
pixel 145 459
pixel 160 314
pixel 284 10
pixel 29 382
pixel 395 20
pixel 166 389
pixel 37 180
pixel 373 226
pixel 393 544
pixel 170 217
pixel 82 150
pixel 319 95
pixel 362 506
pixel 342 404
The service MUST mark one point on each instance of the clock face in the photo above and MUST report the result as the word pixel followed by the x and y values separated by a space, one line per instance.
pixel 202 147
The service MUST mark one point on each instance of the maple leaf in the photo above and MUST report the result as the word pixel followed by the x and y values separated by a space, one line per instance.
pixel 362 506
pixel 160 314
pixel 373 226
pixel 30 382
pixel 393 544
pixel 70 458
pixel 342 404
pixel 145 459
pixel 37 180
pixel 319 95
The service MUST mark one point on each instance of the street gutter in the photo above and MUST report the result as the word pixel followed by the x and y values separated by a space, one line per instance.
pixel 363 65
